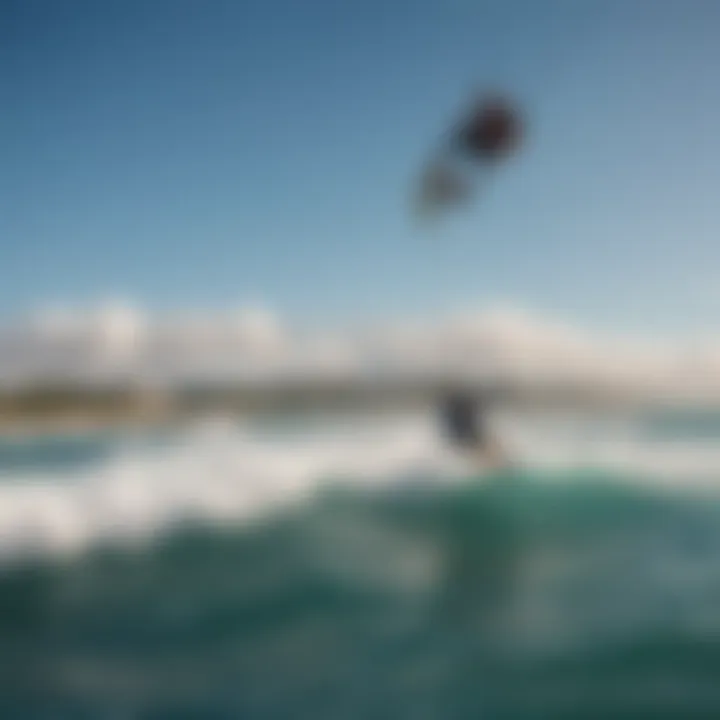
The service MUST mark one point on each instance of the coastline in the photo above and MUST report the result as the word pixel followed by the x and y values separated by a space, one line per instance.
pixel 69 410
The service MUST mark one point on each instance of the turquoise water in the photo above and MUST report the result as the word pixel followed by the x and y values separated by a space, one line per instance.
pixel 539 593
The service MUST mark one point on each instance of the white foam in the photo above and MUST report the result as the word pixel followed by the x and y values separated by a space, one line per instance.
pixel 233 474
pixel 615 444
pixel 215 473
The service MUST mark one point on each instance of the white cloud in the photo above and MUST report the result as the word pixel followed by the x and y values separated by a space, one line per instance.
pixel 116 341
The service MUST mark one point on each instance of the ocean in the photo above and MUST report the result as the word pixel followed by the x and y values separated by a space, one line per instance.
pixel 353 567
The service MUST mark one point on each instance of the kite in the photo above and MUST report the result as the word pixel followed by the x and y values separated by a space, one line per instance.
pixel 486 136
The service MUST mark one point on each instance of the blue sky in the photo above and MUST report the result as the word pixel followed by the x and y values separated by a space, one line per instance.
pixel 204 154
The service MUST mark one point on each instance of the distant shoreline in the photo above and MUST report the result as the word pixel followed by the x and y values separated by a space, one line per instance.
pixel 24 427
pixel 60 408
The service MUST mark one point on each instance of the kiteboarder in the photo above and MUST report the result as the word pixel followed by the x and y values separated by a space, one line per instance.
pixel 464 417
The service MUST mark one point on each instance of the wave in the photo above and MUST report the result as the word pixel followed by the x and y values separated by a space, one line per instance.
pixel 238 473
pixel 594 597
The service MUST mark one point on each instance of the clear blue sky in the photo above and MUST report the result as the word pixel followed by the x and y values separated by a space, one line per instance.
pixel 189 153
